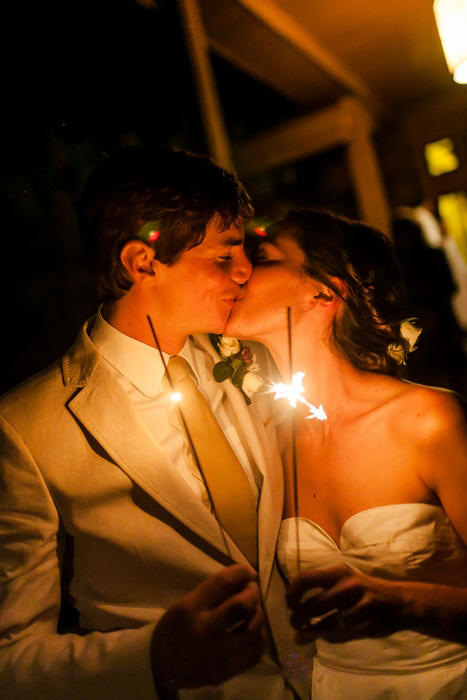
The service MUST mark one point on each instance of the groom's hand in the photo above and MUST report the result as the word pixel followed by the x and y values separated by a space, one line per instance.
pixel 212 634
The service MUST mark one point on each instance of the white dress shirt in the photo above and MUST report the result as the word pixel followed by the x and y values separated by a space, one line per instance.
pixel 140 371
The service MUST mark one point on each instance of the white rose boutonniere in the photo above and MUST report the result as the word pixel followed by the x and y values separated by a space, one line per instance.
pixel 229 346
pixel 251 382
pixel 410 333
pixel 238 364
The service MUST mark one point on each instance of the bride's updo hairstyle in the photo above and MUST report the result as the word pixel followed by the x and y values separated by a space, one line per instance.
pixel 368 325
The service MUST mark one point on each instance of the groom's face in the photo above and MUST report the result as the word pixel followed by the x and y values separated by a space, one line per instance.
pixel 199 291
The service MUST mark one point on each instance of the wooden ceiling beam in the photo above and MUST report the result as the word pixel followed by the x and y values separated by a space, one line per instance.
pixel 298 138
pixel 348 123
pixel 282 24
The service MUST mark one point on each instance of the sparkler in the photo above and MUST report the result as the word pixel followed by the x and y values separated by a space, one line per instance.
pixel 294 440
pixel 293 393
pixel 176 397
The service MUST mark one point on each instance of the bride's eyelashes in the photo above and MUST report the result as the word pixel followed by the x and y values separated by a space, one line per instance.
pixel 262 259
pixel 267 254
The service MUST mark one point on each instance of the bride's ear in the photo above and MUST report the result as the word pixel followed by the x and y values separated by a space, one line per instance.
pixel 327 296
pixel 138 260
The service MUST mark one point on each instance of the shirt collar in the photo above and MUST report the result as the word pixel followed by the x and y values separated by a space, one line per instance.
pixel 141 364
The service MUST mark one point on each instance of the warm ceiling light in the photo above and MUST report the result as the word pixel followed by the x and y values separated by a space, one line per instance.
pixel 451 18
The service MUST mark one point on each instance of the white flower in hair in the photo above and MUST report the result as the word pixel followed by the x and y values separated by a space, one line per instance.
pixel 410 332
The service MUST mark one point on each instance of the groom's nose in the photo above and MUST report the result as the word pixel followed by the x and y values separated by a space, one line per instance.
pixel 241 268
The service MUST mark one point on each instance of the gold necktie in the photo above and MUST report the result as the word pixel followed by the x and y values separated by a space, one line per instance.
pixel 230 491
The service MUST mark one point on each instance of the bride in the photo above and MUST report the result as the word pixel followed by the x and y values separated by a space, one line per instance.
pixel 376 553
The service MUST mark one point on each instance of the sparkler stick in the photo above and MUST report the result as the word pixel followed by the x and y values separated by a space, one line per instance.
pixel 294 440
pixel 293 393
pixel 189 438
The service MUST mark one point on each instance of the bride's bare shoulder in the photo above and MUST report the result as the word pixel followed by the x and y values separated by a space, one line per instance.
pixel 429 413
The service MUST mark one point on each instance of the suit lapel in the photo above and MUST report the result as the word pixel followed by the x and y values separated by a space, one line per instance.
pixel 105 410
pixel 267 460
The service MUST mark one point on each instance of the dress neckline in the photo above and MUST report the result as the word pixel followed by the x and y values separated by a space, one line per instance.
pixel 374 509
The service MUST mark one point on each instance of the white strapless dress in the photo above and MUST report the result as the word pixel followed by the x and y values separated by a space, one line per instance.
pixel 414 542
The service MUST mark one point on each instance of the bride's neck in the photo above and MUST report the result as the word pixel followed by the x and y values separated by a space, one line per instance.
pixel 305 353
pixel 330 380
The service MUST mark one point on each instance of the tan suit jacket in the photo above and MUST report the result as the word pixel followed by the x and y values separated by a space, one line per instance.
pixel 88 497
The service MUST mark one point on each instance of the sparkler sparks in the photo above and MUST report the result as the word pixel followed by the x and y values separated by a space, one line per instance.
pixel 293 393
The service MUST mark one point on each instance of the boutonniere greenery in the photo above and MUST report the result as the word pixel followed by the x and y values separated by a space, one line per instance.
pixel 238 364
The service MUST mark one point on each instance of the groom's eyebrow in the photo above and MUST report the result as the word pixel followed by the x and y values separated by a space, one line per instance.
pixel 232 241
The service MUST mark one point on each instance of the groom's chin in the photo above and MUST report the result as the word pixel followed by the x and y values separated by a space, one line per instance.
pixel 229 323
pixel 232 330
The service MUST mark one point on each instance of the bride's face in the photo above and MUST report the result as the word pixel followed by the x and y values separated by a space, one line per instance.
pixel 276 283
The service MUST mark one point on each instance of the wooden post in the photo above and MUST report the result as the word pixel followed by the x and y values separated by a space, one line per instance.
pixel 211 110
pixel 364 168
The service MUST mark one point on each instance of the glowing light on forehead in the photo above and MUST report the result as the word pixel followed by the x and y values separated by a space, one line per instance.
pixel 260 231
pixel 153 235
pixel 293 393
pixel 176 396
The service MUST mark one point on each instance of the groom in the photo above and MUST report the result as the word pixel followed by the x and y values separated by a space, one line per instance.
pixel 102 504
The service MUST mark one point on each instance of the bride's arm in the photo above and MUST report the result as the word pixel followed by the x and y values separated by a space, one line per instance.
pixel 443 456
pixel 370 606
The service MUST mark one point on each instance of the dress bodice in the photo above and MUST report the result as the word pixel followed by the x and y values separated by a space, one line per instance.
pixel 412 541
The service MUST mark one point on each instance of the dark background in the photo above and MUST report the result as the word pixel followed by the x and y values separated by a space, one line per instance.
pixel 80 79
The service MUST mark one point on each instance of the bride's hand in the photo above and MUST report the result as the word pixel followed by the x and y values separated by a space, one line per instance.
pixel 340 604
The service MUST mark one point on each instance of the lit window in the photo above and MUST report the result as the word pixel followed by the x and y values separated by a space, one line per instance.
pixel 453 212
pixel 440 157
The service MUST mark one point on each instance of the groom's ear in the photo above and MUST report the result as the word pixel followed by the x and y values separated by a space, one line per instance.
pixel 138 260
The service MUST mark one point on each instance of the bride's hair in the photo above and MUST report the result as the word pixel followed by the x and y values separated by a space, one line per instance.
pixel 361 256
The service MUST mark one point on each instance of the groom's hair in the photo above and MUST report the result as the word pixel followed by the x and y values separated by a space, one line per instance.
pixel 164 197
